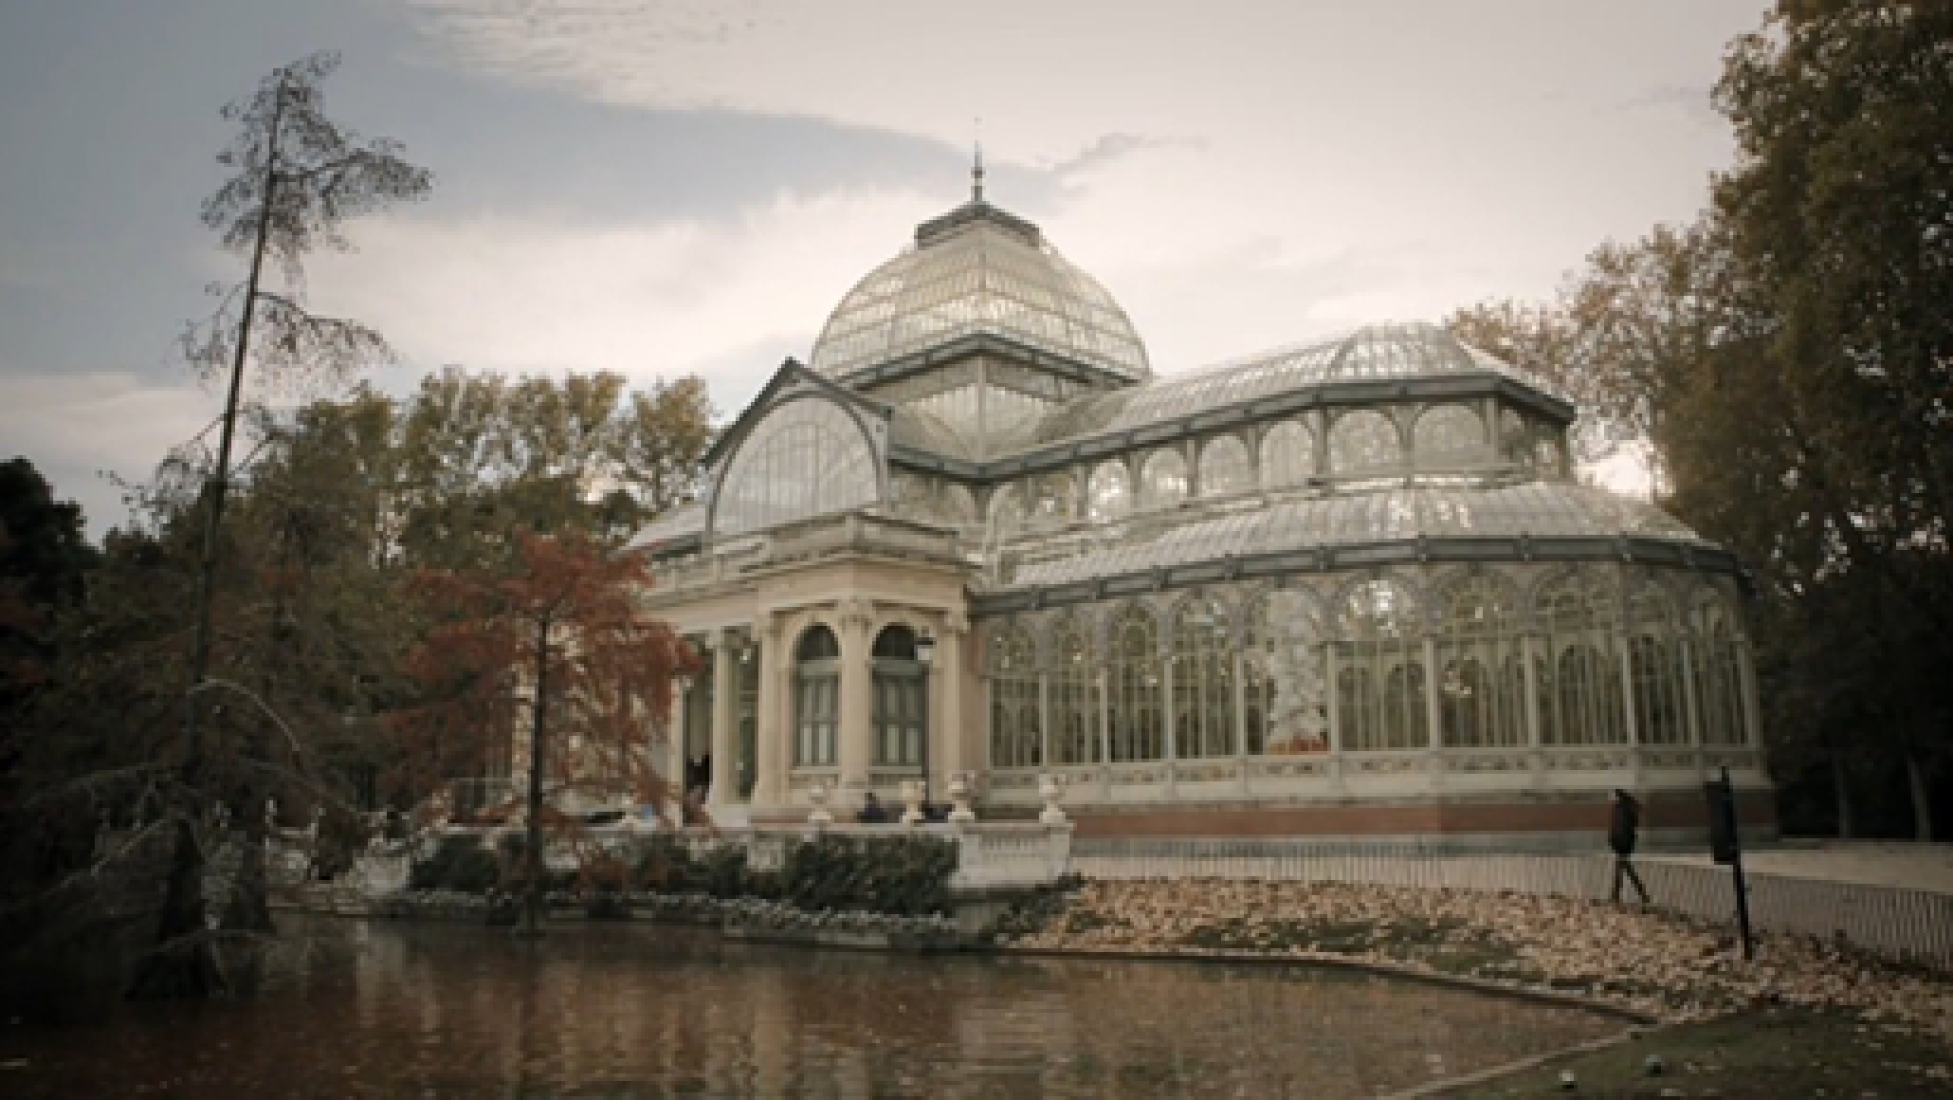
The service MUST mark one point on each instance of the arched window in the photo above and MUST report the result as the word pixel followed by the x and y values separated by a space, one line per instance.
pixel 1364 441
pixel 1162 480
pixel 817 694
pixel 1719 675
pixel 1655 658
pixel 1288 455
pixel 1051 505
pixel 1380 682
pixel 1448 435
pixel 1579 672
pixel 806 458
pixel 1287 708
pixel 1550 457
pixel 1203 680
pixel 1074 715
pixel 1109 491
pixel 1481 675
pixel 1014 733
pixel 1515 442
pixel 1007 514
pixel 1224 467
pixel 1133 687
pixel 900 689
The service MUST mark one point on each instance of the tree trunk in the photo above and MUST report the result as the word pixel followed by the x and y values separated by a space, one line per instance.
pixel 249 909
pixel 1842 790
pixel 182 965
pixel 534 895
pixel 1922 806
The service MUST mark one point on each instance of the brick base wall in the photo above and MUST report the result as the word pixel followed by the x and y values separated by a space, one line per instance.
pixel 1672 814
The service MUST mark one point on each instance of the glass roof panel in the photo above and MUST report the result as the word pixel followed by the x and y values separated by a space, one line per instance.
pixel 1393 513
pixel 978 270
pixel 1375 352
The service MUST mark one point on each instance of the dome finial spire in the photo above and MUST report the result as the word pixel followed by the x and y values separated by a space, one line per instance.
pixel 976 171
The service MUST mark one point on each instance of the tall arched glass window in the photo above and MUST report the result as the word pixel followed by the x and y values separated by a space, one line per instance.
pixel 1481 670
pixel 1363 442
pixel 1288 455
pixel 806 458
pixel 1655 658
pixel 1014 734
pixel 900 706
pixel 1225 468
pixel 1133 677
pixel 1719 676
pixel 817 695
pixel 1203 680
pixel 1579 671
pixel 1448 435
pixel 1286 700
pixel 1162 480
pixel 1108 494
pixel 1380 701
pixel 1074 714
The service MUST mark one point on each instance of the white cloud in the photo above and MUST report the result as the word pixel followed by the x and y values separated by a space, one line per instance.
pixel 657 298
pixel 1434 153
pixel 74 427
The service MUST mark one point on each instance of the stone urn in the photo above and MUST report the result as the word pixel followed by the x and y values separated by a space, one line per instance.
pixel 912 798
pixel 819 818
pixel 959 798
pixel 1050 790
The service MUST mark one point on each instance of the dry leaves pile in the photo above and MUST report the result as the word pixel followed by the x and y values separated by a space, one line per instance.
pixel 1667 967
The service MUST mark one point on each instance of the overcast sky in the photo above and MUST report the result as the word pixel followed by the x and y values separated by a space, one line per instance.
pixel 660 187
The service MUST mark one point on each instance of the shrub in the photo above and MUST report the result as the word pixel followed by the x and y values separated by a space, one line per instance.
pixel 904 876
pixel 458 863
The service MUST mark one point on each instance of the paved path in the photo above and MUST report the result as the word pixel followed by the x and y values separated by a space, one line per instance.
pixel 1873 863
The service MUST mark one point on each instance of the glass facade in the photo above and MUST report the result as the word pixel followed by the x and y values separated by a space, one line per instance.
pixel 807 457
pixel 1358 561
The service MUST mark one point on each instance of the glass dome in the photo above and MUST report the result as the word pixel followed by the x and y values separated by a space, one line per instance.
pixel 978 270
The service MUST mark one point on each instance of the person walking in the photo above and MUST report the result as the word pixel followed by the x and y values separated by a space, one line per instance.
pixel 1622 832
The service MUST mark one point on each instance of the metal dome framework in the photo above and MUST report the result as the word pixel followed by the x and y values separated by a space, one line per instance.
pixel 979 271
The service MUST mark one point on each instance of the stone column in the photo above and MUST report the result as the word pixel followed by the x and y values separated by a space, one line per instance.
pixel 856 719
pixel 725 718
pixel 948 676
pixel 771 729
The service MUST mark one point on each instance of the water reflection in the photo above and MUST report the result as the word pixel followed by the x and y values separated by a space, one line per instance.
pixel 354 1008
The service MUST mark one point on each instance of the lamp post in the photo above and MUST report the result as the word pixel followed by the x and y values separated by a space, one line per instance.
pixel 925 652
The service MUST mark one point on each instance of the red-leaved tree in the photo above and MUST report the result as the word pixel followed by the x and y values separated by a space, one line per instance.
pixel 562 644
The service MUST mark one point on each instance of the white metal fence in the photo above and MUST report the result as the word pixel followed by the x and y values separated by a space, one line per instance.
pixel 1914 925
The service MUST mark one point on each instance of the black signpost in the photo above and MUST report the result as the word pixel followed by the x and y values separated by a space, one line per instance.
pixel 1726 847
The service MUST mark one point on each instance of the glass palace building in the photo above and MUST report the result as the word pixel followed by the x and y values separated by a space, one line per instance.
pixel 1344 588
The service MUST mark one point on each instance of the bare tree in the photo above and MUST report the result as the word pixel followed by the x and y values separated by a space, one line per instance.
pixel 298 178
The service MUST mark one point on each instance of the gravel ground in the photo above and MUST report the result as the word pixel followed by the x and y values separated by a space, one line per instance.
pixel 1669 968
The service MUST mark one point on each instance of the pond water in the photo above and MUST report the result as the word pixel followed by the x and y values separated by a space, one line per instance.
pixel 385 1009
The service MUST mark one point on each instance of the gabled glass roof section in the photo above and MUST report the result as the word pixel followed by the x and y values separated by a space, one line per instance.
pixel 978 270
pixel 1373 353
pixel 1538 509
